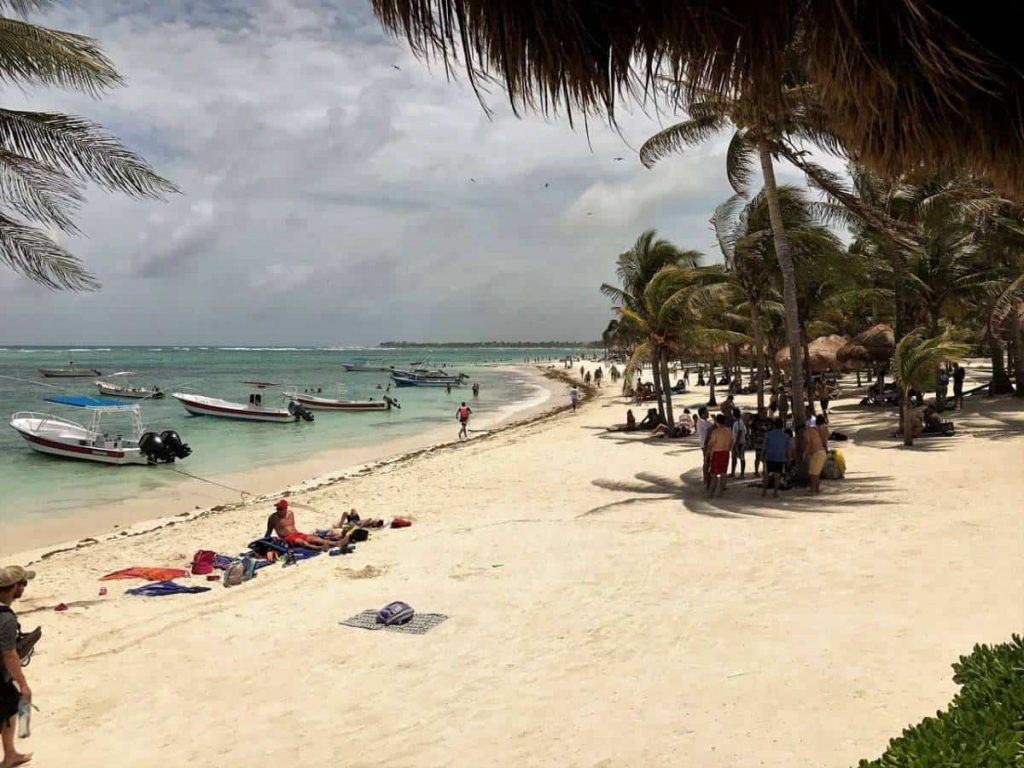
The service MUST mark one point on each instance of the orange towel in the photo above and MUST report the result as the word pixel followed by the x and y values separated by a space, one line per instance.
pixel 150 574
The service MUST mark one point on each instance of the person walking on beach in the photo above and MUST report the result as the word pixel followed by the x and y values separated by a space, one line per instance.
pixel 814 453
pixel 13 685
pixel 462 414
pixel 717 454
pixel 783 406
pixel 740 433
pixel 598 375
pixel 775 454
pixel 574 397
pixel 703 426
pixel 958 386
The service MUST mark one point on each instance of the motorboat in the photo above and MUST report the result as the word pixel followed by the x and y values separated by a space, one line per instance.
pixel 254 410
pixel 362 365
pixel 112 389
pixel 94 441
pixel 427 379
pixel 71 372
pixel 316 403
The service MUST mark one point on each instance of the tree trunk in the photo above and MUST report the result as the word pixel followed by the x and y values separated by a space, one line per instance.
pixel 711 381
pixel 755 322
pixel 1000 381
pixel 656 378
pixel 899 289
pixel 1018 355
pixel 792 314
pixel 809 379
pixel 666 387
pixel 908 428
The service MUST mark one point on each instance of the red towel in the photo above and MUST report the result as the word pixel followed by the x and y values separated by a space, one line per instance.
pixel 150 574
pixel 400 522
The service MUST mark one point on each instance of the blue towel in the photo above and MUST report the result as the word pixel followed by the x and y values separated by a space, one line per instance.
pixel 158 588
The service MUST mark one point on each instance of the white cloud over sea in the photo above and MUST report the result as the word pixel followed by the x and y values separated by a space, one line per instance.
pixel 337 191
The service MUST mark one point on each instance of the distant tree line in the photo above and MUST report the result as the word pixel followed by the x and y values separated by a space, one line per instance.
pixel 512 344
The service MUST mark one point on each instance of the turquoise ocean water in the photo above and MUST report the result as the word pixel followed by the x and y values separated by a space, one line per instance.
pixel 37 485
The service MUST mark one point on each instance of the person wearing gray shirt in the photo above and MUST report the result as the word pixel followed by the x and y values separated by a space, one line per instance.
pixel 13 686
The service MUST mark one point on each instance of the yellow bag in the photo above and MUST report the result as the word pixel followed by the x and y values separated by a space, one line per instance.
pixel 840 460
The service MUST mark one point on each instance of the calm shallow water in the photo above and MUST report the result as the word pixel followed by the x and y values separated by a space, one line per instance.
pixel 38 485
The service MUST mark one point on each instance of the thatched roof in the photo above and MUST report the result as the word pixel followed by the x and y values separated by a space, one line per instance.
pixel 822 353
pixel 875 345
pixel 907 85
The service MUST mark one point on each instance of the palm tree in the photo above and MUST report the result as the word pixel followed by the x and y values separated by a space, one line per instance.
pixel 914 365
pixel 46 158
pixel 636 268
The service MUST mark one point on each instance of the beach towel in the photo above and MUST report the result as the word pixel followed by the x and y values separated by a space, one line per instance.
pixel 161 588
pixel 221 562
pixel 149 574
pixel 420 624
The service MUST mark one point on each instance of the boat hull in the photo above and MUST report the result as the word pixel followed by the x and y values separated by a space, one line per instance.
pixel 199 405
pixel 130 394
pixel 69 445
pixel 401 381
pixel 326 404
pixel 68 373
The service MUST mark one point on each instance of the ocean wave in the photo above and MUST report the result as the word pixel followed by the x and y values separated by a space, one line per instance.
pixel 156 349
pixel 90 349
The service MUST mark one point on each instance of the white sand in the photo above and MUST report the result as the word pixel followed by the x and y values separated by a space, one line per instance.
pixel 603 613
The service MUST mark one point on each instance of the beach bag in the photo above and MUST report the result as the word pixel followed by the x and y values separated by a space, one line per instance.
pixel 832 470
pixel 202 562
pixel 395 613
pixel 25 644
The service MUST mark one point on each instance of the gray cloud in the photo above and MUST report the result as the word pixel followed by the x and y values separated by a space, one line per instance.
pixel 328 196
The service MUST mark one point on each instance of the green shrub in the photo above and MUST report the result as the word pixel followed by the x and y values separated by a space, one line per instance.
pixel 983 727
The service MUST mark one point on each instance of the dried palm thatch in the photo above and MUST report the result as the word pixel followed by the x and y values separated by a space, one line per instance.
pixel 875 345
pixel 822 354
pixel 904 82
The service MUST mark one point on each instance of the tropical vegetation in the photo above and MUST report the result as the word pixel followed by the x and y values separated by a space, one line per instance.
pixel 48 158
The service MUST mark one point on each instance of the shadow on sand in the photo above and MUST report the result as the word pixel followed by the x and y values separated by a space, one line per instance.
pixel 743 501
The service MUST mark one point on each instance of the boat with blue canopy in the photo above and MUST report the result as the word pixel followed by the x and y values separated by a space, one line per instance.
pixel 126 443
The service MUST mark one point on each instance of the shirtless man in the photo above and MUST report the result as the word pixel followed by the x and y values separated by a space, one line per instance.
pixel 719 446
pixel 282 522
pixel 814 453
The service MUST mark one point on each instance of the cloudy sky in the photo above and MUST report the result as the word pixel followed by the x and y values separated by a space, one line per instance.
pixel 337 191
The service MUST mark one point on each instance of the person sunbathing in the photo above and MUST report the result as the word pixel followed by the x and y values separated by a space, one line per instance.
pixel 282 522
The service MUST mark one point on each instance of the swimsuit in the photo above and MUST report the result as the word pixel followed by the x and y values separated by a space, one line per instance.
pixel 719 462
pixel 296 538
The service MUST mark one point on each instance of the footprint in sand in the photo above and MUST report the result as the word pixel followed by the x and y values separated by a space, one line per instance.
pixel 366 572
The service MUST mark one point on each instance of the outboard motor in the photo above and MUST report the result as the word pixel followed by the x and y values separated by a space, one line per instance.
pixel 151 445
pixel 299 411
pixel 176 448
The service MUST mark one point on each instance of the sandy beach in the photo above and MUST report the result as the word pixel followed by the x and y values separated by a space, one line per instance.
pixel 602 612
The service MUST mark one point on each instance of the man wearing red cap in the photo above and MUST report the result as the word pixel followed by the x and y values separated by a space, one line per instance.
pixel 282 522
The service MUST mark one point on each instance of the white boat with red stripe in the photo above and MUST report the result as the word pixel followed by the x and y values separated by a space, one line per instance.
pixel 57 436
pixel 315 403
pixel 254 410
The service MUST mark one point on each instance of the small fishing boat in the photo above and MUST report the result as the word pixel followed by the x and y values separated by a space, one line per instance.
pixel 58 436
pixel 362 365
pixel 316 403
pixel 71 372
pixel 112 389
pixel 427 379
pixel 254 410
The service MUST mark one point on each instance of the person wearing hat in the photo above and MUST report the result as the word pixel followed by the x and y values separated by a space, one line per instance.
pixel 282 522
pixel 13 580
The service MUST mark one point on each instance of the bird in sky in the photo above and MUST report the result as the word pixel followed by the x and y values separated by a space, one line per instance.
pixel 473 180
pixel 395 66
pixel 546 185
pixel 620 158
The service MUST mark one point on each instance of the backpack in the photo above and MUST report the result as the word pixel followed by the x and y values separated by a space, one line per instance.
pixel 202 562
pixel 25 645
pixel 395 613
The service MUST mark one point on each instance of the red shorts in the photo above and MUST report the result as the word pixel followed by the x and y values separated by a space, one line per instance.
pixel 296 538
pixel 719 463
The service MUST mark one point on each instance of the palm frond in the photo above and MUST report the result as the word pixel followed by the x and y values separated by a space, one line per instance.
pixel 724 223
pixel 614 293
pixel 1008 304
pixel 676 138
pixel 38 192
pixel 739 162
pixel 636 361
pixel 34 55
pixel 24 7
pixel 917 359
pixel 81 148
pixel 32 253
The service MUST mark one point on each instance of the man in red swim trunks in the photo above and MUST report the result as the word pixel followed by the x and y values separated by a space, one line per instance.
pixel 282 522
pixel 719 447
